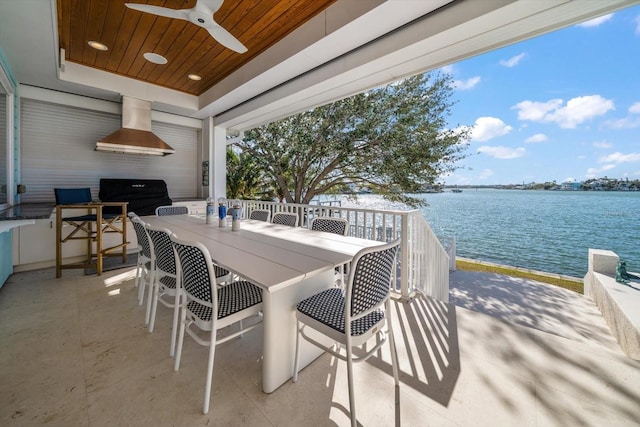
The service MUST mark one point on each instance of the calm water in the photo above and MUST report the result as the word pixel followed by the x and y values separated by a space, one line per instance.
pixel 542 230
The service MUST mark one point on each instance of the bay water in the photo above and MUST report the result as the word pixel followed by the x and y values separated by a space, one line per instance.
pixel 548 231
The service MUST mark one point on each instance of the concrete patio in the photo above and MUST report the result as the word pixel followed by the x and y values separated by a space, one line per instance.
pixel 505 352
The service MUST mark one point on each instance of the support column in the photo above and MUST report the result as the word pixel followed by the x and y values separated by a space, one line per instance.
pixel 215 151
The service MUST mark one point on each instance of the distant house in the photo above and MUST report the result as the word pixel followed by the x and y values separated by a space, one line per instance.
pixel 570 186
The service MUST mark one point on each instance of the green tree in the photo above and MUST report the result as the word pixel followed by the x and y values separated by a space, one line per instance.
pixel 392 140
pixel 243 176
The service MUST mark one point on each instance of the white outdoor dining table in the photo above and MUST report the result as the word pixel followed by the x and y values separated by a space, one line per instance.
pixel 289 263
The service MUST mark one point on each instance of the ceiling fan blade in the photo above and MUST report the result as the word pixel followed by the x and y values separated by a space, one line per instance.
pixel 160 11
pixel 200 15
pixel 226 39
pixel 212 5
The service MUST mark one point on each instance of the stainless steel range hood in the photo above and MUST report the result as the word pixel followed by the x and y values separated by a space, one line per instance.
pixel 135 136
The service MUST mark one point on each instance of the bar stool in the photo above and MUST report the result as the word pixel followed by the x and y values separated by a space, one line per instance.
pixel 110 220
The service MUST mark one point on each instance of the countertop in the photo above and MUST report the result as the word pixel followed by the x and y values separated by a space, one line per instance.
pixel 27 211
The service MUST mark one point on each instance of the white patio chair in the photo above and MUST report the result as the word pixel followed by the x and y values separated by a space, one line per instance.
pixel 164 279
pixel 171 210
pixel 330 224
pixel 285 218
pixel 144 265
pixel 209 307
pixel 260 215
pixel 334 225
pixel 354 317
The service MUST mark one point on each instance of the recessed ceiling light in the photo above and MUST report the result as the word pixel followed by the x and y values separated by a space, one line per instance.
pixel 194 77
pixel 155 58
pixel 98 45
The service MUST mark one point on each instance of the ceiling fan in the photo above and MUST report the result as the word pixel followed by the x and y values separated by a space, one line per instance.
pixel 201 15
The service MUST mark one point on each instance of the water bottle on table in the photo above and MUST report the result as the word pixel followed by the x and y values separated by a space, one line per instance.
pixel 209 210
pixel 222 211
pixel 235 215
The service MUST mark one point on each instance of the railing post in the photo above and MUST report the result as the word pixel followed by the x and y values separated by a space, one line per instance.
pixel 424 262
pixel 404 257
pixel 452 254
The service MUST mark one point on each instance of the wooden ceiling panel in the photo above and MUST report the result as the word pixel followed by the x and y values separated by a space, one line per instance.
pixel 97 13
pixel 110 30
pixel 128 34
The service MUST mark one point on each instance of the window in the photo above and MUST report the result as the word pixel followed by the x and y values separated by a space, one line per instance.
pixel 6 140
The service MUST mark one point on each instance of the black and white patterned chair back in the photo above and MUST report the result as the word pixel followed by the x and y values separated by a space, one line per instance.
pixel 171 210
pixel 165 257
pixel 141 234
pixel 330 225
pixel 195 266
pixel 285 218
pixel 260 215
pixel 370 279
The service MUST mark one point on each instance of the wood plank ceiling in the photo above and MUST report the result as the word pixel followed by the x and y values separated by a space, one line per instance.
pixel 189 49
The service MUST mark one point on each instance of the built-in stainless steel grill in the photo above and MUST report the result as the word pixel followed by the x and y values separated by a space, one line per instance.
pixel 143 195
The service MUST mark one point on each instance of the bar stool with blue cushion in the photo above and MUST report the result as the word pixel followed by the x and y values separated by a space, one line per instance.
pixel 260 214
pixel 208 307
pixel 171 210
pixel 355 316
pixel 285 218
pixel 90 225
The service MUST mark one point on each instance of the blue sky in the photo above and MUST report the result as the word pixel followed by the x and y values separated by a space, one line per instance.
pixel 562 106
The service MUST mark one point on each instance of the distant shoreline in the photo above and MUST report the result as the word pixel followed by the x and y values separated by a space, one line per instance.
pixel 515 187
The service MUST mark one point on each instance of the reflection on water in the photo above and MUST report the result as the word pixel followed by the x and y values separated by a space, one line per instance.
pixel 542 230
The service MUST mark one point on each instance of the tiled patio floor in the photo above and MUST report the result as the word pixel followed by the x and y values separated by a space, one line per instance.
pixel 511 352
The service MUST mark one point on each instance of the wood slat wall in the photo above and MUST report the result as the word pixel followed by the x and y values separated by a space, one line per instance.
pixel 58 151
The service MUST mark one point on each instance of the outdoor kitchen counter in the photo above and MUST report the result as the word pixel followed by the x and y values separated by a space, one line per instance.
pixel 24 214
pixel 27 211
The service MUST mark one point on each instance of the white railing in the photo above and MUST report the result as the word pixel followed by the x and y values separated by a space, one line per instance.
pixel 424 262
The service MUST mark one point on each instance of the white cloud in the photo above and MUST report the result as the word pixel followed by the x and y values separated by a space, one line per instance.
pixel 538 137
pixel 627 122
pixel 570 179
pixel 576 110
pixel 456 178
pixel 487 128
pixel 485 174
pixel 447 69
pixel 457 131
pixel 595 172
pixel 466 84
pixel 637 20
pixel 536 111
pixel 618 157
pixel 602 144
pixel 513 61
pixel 596 22
pixel 502 152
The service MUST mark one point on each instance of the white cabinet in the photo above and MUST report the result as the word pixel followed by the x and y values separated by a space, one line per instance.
pixel 195 206
pixel 36 243
pixel 34 246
